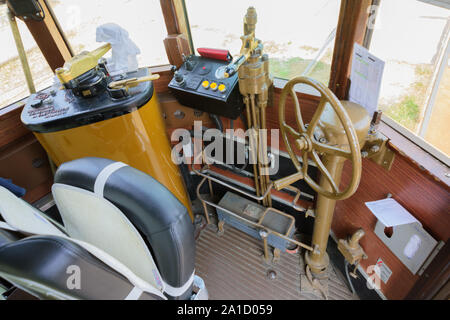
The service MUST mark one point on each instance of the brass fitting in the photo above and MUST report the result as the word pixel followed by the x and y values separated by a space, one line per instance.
pixel 351 249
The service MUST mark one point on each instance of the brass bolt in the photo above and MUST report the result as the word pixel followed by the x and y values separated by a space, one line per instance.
pixel 316 249
pixel 375 149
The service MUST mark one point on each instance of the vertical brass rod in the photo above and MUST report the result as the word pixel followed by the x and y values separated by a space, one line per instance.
pixel 258 150
pixel 21 51
pixel 265 175
pixel 255 120
pixel 205 207
pixel 252 147
pixel 211 190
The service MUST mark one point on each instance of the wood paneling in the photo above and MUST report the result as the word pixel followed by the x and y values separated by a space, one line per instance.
pixel 170 106
pixel 176 46
pixel 419 193
pixel 435 282
pixel 165 75
pixel 170 16
pixel 419 157
pixel 25 162
pixel 11 128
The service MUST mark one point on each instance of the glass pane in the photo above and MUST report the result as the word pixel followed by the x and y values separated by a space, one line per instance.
pixel 293 32
pixel 142 19
pixel 409 36
pixel 13 85
pixel 437 132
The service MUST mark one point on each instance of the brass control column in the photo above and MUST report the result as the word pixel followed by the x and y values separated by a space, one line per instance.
pixel 334 134
pixel 255 84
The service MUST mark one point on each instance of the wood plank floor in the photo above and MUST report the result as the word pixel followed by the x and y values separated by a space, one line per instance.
pixel 233 269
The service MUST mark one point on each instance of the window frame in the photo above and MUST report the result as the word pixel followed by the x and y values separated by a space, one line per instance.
pixel 418 138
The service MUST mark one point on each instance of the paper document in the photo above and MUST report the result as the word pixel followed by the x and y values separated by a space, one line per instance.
pixel 390 213
pixel 366 75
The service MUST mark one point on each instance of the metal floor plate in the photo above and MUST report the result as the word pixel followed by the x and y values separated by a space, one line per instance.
pixel 232 267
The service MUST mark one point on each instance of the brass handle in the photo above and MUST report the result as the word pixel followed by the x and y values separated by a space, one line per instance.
pixel 354 240
pixel 132 82
pixel 287 181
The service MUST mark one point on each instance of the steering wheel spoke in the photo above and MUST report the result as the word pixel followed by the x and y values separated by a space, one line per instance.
pixel 292 131
pixel 330 150
pixel 298 113
pixel 325 172
pixel 315 120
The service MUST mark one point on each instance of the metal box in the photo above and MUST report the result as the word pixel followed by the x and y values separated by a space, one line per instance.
pixel 264 218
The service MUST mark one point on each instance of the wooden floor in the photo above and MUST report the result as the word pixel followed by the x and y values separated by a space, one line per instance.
pixel 232 267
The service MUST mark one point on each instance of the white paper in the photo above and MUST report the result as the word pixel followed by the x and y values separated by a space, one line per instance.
pixel 390 213
pixel 124 50
pixel 366 75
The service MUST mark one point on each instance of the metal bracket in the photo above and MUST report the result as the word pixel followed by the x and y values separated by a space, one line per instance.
pixel 377 149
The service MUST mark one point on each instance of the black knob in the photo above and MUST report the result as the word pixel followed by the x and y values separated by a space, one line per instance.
pixel 37 103
pixel 189 65
pixel 179 77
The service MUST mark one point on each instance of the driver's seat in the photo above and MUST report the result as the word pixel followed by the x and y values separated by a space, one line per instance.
pixel 123 214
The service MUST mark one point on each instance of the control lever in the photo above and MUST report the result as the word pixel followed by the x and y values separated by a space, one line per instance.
pixel 131 82
pixel 119 89
pixel 287 181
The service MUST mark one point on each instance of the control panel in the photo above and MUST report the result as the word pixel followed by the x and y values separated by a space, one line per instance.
pixel 60 109
pixel 200 83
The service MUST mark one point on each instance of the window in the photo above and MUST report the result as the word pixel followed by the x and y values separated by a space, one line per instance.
pixel 297 35
pixel 13 85
pixel 412 37
pixel 142 19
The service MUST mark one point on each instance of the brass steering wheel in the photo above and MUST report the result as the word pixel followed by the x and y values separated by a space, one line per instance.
pixel 306 142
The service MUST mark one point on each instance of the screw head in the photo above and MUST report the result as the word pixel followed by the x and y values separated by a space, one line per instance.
pixel 271 275
pixel 375 149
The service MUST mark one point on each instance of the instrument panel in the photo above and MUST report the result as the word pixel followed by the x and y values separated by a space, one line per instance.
pixel 200 83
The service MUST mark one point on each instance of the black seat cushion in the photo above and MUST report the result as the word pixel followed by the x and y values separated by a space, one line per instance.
pixel 160 217
pixel 7 236
pixel 46 260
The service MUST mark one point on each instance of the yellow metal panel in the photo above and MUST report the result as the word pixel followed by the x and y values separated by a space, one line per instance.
pixel 138 139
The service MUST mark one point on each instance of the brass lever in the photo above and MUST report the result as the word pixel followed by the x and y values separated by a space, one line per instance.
pixel 287 181
pixel 132 82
